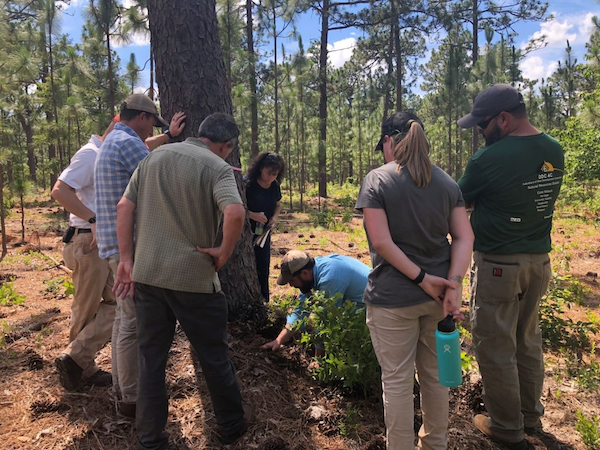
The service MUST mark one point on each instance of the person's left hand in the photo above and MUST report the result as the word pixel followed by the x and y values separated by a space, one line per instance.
pixel 272 222
pixel 177 124
pixel 124 284
pixel 435 286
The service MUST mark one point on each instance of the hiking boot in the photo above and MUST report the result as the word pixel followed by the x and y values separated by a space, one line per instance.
pixel 227 439
pixel 482 423
pixel 127 410
pixel 100 378
pixel 534 430
pixel 69 372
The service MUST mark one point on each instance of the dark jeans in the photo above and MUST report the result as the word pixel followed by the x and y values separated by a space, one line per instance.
pixel 263 262
pixel 203 317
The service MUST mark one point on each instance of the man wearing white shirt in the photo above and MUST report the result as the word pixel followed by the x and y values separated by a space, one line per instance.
pixel 94 304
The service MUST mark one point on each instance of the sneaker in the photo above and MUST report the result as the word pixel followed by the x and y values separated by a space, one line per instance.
pixel 248 420
pixel 68 372
pixel 127 410
pixel 482 423
pixel 100 378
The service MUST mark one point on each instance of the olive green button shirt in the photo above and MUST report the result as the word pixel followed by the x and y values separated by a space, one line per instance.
pixel 180 191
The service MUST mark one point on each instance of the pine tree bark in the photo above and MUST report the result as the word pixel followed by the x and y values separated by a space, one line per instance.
pixel 323 101
pixel 191 77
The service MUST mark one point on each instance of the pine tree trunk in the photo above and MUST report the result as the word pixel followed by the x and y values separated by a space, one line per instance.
pixel 192 79
pixel 323 101
pixel 252 78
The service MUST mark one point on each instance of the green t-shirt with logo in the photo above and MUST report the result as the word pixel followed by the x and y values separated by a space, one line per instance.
pixel 513 185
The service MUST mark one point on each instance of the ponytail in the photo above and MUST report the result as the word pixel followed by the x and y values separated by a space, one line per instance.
pixel 411 150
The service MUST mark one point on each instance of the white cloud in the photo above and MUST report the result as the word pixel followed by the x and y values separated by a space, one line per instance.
pixel 532 67
pixel 341 51
pixel 551 68
pixel 556 32
pixel 586 26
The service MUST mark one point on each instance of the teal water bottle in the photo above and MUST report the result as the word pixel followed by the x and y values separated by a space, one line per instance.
pixel 447 344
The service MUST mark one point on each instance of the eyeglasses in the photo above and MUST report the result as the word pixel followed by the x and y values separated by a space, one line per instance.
pixel 485 123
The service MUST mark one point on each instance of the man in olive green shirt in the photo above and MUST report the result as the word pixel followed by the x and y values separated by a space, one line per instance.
pixel 179 193
pixel 512 183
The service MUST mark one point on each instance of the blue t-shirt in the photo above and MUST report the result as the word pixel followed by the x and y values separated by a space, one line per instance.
pixel 335 274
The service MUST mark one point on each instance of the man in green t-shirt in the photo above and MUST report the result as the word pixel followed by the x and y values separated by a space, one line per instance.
pixel 512 184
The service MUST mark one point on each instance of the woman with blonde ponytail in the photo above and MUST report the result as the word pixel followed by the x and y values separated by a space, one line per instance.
pixel 410 206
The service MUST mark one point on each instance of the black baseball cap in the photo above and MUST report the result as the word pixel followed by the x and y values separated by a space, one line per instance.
pixel 398 123
pixel 491 102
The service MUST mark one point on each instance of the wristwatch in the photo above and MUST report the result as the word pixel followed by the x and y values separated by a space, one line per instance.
pixel 92 220
pixel 168 133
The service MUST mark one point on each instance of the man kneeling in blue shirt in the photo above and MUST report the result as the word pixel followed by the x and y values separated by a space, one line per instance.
pixel 333 274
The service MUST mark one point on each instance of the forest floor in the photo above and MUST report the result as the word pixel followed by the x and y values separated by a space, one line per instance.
pixel 293 411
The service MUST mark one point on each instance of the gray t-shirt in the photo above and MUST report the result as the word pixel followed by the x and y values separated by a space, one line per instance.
pixel 419 222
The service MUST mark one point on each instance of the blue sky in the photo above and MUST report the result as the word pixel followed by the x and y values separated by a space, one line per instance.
pixel 571 20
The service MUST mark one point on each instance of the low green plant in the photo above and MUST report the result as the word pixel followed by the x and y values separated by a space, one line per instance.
pixel 587 427
pixel 341 328
pixel 324 218
pixel 9 296
pixel 558 330
pixel 467 362
pixel 587 375
pixel 6 329
pixel 350 423
pixel 69 289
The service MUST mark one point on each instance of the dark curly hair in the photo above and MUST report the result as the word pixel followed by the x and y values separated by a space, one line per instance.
pixel 263 160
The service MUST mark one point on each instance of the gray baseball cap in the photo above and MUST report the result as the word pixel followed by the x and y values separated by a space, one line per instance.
pixel 140 102
pixel 491 102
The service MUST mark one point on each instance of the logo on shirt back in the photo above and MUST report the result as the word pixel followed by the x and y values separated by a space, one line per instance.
pixel 548 167
pixel 496 272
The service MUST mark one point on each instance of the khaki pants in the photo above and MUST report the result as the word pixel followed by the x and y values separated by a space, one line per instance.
pixel 94 305
pixel 505 296
pixel 124 345
pixel 403 338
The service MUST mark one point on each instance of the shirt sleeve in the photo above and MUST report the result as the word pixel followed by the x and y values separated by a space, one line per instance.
pixel 277 191
pixel 80 172
pixel 133 151
pixel 131 191
pixel 225 191
pixel 298 312
pixel 471 183
pixel 368 196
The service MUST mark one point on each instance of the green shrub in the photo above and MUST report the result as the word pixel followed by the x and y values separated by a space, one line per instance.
pixel 559 331
pixel 349 357
pixel 588 430
pixel 587 375
pixel 9 296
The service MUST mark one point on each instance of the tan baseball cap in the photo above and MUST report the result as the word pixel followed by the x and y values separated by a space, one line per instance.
pixel 140 102
pixel 292 262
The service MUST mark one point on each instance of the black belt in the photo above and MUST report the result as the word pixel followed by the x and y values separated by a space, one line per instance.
pixel 83 230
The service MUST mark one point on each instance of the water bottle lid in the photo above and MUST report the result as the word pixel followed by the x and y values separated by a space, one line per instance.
pixel 447 325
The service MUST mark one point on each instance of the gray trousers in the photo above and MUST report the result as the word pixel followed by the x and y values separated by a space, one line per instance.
pixel 505 296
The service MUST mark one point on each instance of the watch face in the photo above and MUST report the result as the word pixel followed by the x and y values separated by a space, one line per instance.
pixel 92 220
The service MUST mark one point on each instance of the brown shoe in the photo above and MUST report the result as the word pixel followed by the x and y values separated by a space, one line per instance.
pixel 127 410
pixel 69 372
pixel 100 378
pixel 482 423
